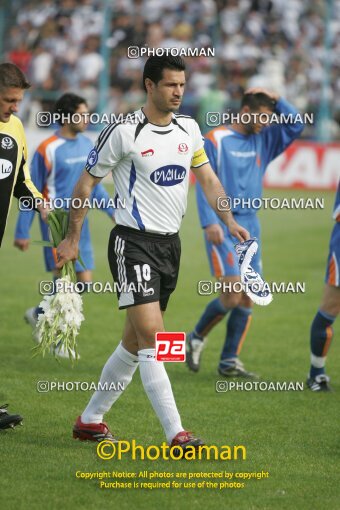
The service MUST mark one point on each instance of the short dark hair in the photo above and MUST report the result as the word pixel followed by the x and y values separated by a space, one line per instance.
pixel 67 104
pixel 154 66
pixel 254 101
pixel 12 76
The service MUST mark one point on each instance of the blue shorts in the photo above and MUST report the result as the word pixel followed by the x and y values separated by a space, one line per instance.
pixel 85 250
pixel 222 257
pixel 333 263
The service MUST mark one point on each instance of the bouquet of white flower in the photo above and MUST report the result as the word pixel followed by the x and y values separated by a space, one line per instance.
pixel 58 326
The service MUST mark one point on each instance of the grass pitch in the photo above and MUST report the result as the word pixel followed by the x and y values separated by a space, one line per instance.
pixel 292 435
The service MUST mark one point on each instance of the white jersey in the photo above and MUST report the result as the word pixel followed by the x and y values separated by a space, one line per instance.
pixel 150 167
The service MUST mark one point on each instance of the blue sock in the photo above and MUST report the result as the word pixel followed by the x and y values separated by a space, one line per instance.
pixel 237 328
pixel 214 313
pixel 320 340
pixel 38 310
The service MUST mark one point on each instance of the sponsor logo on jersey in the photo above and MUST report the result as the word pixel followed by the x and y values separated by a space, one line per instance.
pixel 6 168
pixel 183 148
pixel 169 175
pixel 7 143
pixel 149 152
pixel 92 158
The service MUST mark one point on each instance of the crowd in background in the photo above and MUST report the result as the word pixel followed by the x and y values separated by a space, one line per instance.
pixel 279 44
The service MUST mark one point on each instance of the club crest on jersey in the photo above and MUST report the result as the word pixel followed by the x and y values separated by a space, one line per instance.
pixel 169 175
pixel 7 143
pixel 149 152
pixel 6 168
pixel 183 148
pixel 92 158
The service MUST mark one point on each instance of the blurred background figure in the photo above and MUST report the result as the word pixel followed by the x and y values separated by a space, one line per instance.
pixel 321 330
pixel 55 169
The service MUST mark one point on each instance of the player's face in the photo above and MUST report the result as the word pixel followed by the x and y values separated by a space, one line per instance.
pixel 168 93
pixel 261 117
pixel 81 119
pixel 10 99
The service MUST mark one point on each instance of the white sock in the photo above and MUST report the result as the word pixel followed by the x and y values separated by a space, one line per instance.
pixel 318 361
pixel 158 388
pixel 119 370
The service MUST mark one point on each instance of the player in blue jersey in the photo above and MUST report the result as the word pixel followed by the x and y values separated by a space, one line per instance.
pixel 321 330
pixel 56 166
pixel 239 154
pixel 149 159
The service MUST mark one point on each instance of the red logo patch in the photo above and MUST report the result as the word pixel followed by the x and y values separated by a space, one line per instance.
pixel 183 148
pixel 149 152
pixel 170 346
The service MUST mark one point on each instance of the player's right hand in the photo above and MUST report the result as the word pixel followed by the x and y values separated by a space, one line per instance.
pixel 22 244
pixel 214 233
pixel 67 250
pixel 261 90
pixel 237 231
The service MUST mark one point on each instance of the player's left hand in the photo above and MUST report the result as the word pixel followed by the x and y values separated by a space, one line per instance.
pixel 67 250
pixel 22 244
pixel 237 231
pixel 261 90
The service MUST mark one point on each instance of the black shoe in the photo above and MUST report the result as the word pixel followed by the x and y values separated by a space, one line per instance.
pixel 194 347
pixel 8 421
pixel 319 383
pixel 234 368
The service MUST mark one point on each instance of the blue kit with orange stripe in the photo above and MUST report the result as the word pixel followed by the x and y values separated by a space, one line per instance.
pixel 240 162
pixel 55 169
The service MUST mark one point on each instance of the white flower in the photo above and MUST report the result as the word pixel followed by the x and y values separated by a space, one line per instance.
pixel 62 317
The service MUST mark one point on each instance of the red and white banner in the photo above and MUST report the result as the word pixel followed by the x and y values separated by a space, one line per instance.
pixel 307 165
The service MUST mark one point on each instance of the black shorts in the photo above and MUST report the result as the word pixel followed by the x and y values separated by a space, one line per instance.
pixel 144 266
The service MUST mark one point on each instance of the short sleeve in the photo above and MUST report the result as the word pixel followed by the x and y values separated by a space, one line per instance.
pixel 199 157
pixel 107 152
pixel 198 138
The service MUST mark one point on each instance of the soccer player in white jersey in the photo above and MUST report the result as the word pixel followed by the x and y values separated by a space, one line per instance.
pixel 150 157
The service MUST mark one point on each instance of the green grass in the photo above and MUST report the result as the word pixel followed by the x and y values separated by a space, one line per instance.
pixel 290 434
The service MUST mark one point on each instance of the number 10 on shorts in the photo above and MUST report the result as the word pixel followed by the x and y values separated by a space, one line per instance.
pixel 170 346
